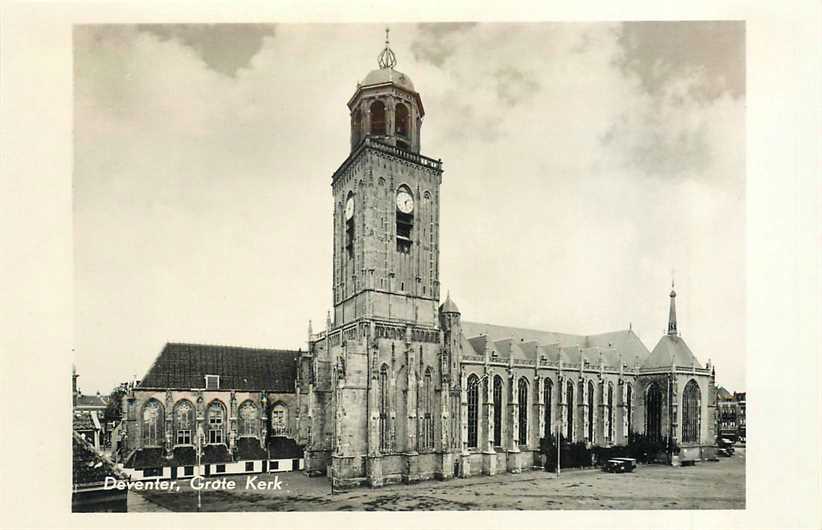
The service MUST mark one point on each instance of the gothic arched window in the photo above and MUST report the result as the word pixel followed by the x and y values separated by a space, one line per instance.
pixel 610 411
pixel 356 127
pixel 216 423
pixel 653 412
pixel 184 422
pixel 473 410
pixel 691 399
pixel 378 118
pixel 382 390
pixel 427 407
pixel 523 411
pixel 497 411
pixel 547 397
pixel 591 406
pixel 629 405
pixel 401 121
pixel 248 418
pixel 569 411
pixel 279 420
pixel 152 423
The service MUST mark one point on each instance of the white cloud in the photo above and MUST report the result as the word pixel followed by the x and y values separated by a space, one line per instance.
pixel 203 200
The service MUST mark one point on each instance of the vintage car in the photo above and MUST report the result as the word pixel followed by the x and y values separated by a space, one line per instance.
pixel 725 447
pixel 619 465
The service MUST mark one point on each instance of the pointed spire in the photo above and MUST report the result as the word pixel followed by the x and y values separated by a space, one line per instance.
pixel 449 306
pixel 387 59
pixel 672 312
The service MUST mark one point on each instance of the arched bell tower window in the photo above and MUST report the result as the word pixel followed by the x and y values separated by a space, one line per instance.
pixel 402 126
pixel 405 219
pixel 378 118
pixel 356 128
pixel 349 225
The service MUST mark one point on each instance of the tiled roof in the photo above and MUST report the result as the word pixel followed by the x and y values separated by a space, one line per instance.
pixel 185 366
pixel 85 421
pixel 723 394
pixel 523 343
pixel 671 347
pixel 90 401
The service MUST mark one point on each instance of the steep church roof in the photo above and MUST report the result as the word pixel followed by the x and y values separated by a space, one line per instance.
pixel 186 365
pixel 523 343
pixel 671 347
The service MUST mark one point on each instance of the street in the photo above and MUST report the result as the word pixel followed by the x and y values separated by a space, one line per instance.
pixel 707 485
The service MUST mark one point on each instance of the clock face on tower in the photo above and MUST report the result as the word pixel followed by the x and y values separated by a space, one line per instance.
pixel 405 202
pixel 349 208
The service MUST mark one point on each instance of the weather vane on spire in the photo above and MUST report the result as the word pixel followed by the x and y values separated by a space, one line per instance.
pixel 387 59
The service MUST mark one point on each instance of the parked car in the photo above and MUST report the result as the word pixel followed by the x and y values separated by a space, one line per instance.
pixel 725 447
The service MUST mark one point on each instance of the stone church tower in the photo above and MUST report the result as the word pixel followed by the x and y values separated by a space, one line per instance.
pixel 376 409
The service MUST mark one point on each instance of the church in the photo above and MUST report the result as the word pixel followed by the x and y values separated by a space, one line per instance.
pixel 401 389
pixel 398 387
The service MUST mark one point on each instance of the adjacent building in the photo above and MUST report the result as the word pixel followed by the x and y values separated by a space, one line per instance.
pixel 228 409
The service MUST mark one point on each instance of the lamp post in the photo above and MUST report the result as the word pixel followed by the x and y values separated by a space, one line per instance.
pixel 200 441
pixel 558 423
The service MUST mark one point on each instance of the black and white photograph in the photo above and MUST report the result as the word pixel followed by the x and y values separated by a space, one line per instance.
pixel 415 267
pixel 393 267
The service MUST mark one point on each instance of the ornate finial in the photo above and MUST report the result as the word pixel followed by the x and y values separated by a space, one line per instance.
pixel 387 59
pixel 672 329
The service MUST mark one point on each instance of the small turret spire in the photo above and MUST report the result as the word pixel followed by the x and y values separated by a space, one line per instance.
pixel 387 59
pixel 672 312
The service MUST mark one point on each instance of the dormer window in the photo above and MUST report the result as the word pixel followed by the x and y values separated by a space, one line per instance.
pixel 212 382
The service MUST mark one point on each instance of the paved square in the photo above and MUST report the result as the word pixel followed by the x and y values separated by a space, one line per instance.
pixel 707 485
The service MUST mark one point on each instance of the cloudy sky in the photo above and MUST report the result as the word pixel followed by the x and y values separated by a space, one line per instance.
pixel 583 163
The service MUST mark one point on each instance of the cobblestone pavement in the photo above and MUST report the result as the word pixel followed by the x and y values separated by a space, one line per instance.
pixel 707 485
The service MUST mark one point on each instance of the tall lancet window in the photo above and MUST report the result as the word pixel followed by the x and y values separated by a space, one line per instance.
pixel 216 423
pixel 610 412
pixel 523 411
pixel 152 423
pixel 629 405
pixel 497 411
pixel 653 412
pixel 569 402
pixel 184 422
pixel 548 398
pixel 427 407
pixel 591 407
pixel 378 118
pixel 473 411
pixel 691 398
pixel 382 390
pixel 248 419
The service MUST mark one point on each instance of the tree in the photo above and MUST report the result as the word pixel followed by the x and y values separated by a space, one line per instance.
pixel 113 410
